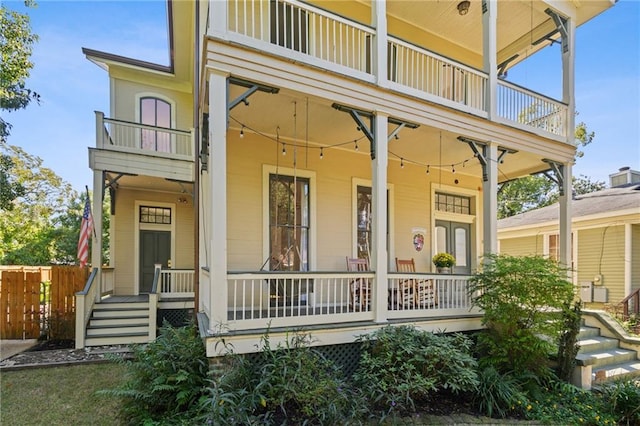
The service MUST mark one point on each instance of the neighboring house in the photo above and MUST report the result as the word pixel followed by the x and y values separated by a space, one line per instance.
pixel 286 136
pixel 605 238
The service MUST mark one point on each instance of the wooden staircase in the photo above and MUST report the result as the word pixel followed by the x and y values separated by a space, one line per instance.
pixel 608 361
pixel 119 320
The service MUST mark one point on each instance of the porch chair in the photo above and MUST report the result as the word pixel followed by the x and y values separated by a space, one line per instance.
pixel 404 296
pixel 359 288
pixel 425 294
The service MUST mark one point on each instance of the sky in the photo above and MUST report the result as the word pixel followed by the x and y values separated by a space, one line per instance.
pixel 60 129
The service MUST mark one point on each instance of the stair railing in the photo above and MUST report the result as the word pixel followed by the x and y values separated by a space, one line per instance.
pixel 85 300
pixel 631 305
pixel 153 302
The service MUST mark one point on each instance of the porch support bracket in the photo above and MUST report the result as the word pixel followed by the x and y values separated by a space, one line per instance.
pixel 111 183
pixel 357 116
pixel 182 183
pixel 480 152
pixel 561 25
pixel 251 89
pixel 558 174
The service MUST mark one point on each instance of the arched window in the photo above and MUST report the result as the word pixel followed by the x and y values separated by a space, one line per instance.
pixel 155 112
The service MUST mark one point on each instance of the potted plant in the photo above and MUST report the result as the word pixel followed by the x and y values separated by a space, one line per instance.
pixel 443 262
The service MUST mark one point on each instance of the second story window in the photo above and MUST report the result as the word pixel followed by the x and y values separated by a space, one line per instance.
pixel 155 112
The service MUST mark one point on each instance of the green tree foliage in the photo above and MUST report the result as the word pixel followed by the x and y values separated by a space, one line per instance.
pixel 42 225
pixel 16 45
pixel 9 188
pixel 521 298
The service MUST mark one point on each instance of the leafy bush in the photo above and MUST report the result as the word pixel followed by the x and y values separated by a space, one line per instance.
pixel 623 400
pixel 498 394
pixel 568 346
pixel 402 365
pixel 521 298
pixel 166 377
pixel 291 384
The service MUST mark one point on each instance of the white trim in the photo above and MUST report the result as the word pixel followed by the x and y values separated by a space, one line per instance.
pixel 355 182
pixel 628 235
pixel 150 227
pixel 268 169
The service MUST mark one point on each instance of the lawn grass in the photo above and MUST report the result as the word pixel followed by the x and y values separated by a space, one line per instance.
pixel 60 395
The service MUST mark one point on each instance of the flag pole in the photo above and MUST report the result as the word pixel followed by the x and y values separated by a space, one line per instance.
pixel 93 225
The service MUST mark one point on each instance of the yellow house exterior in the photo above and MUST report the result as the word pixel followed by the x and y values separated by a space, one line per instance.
pixel 286 136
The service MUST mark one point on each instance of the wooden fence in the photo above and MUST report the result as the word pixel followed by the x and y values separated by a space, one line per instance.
pixel 36 301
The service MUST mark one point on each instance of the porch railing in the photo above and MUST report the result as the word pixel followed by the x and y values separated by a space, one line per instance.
pixel 427 72
pixel 631 305
pixel 520 106
pixel 85 300
pixel 308 298
pixel 140 138
pixel 108 280
pixel 176 283
pixel 303 28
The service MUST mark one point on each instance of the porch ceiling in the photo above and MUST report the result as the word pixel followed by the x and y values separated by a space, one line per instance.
pixel 150 183
pixel 311 123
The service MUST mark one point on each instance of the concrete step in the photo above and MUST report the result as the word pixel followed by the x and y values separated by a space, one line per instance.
pixel 117 330
pixel 597 343
pixel 608 357
pixel 120 320
pixel 586 332
pixel 610 373
pixel 120 312
pixel 119 339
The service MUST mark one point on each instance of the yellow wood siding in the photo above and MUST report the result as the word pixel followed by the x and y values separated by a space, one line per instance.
pixel 523 246
pixel 601 251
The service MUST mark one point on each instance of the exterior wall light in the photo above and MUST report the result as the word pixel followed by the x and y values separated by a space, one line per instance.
pixel 463 7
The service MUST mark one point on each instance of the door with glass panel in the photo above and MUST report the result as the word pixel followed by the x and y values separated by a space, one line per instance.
pixel 454 238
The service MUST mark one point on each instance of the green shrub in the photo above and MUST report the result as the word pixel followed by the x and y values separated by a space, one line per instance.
pixel 568 346
pixel 498 394
pixel 521 298
pixel 402 365
pixel 165 379
pixel 623 400
pixel 293 384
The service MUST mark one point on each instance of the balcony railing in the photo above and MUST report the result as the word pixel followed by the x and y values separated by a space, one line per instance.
pixel 320 38
pixel 308 298
pixel 176 283
pixel 139 138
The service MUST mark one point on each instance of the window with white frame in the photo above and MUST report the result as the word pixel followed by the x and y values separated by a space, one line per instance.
pixel 155 112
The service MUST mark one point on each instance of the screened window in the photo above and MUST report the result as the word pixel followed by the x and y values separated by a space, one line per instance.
pixel 453 203
pixel 160 215
pixel 155 112
pixel 289 222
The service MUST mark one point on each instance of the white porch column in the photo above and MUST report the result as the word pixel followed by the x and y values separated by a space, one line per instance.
pixel 379 22
pixel 218 14
pixel 568 80
pixel 490 54
pixel 96 238
pixel 565 217
pixel 379 211
pixel 490 201
pixel 628 234
pixel 218 196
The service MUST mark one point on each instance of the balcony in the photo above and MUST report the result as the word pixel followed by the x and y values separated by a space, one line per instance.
pixel 138 149
pixel 320 38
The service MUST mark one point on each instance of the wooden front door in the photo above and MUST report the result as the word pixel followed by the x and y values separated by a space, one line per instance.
pixel 155 247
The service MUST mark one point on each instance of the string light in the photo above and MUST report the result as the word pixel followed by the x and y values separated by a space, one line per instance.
pixel 396 136
pixel 321 153
pixel 453 169
pixel 356 142
pixel 242 132
pixel 428 168
pixel 284 149
pixel 401 163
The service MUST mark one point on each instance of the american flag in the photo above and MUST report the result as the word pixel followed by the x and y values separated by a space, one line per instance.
pixel 85 234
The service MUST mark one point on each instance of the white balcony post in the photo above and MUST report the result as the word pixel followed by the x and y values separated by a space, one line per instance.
pixel 568 82
pixel 96 232
pixel 565 216
pixel 379 213
pixel 490 201
pixel 218 105
pixel 490 54
pixel 218 15
pixel 99 129
pixel 379 60
pixel 628 238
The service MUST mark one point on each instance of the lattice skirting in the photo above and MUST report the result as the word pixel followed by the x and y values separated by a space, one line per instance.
pixel 175 317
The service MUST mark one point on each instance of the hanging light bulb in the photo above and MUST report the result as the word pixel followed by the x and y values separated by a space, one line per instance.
pixel 428 168
pixel 284 149
pixel 321 153
pixel 401 163
pixel 453 169
pixel 396 136
pixel 356 142
pixel 242 132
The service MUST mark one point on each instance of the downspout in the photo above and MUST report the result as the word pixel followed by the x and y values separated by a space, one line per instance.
pixel 196 183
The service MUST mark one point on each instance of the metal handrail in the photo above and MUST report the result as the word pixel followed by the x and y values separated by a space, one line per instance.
pixel 635 296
